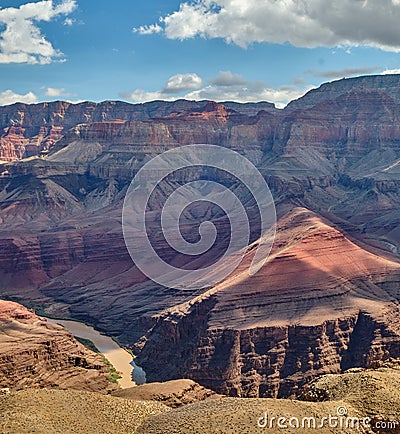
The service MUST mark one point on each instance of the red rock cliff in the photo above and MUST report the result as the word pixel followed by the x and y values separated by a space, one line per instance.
pixel 35 353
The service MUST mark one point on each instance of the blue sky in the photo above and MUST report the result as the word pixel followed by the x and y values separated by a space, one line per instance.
pixel 243 50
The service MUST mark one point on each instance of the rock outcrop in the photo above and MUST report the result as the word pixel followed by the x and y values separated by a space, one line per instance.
pixel 35 353
pixel 375 392
pixel 174 393
pixel 318 306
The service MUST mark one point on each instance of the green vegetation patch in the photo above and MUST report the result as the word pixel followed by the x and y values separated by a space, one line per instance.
pixel 114 374
pixel 88 344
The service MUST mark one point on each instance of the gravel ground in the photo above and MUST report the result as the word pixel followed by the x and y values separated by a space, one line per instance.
pixel 240 416
pixel 360 393
pixel 68 411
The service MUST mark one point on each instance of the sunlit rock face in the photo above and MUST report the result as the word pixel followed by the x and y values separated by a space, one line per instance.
pixel 35 353
pixel 27 130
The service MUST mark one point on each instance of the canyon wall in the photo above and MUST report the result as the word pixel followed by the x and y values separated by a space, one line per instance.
pixel 27 130
pixel 320 305
pixel 273 361
pixel 35 353
pixel 325 301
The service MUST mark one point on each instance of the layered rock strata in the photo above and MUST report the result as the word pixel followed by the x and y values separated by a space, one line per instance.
pixel 35 353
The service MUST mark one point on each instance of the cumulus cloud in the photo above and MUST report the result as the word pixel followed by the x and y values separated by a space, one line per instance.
pixel 182 82
pixel 21 41
pixel 176 85
pixel 302 23
pixel 226 86
pixel 54 92
pixel 9 97
pixel 251 92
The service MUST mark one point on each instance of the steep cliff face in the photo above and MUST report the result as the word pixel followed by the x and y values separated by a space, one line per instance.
pixel 272 361
pixel 27 130
pixel 35 353
pixel 30 129
pixel 388 84
pixel 351 124
pixel 317 307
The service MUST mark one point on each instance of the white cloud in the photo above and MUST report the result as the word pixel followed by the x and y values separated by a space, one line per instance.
pixel 9 97
pixel 302 23
pixel 226 78
pixel 75 101
pixel 140 96
pixel 177 84
pixel 68 22
pixel 148 30
pixel 252 92
pixel 391 71
pixel 346 72
pixel 54 92
pixel 225 87
pixel 182 82
pixel 22 41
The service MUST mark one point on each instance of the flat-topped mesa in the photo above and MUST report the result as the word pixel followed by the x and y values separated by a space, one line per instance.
pixel 35 353
pixel 213 124
pixel 207 110
pixel 212 108
pixel 216 115
pixel 350 125
pixel 98 131
pixel 389 84
pixel 27 130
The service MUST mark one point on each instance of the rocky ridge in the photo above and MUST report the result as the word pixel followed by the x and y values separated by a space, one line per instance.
pixel 35 353
pixel 268 339
pixel 27 130
pixel 174 393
